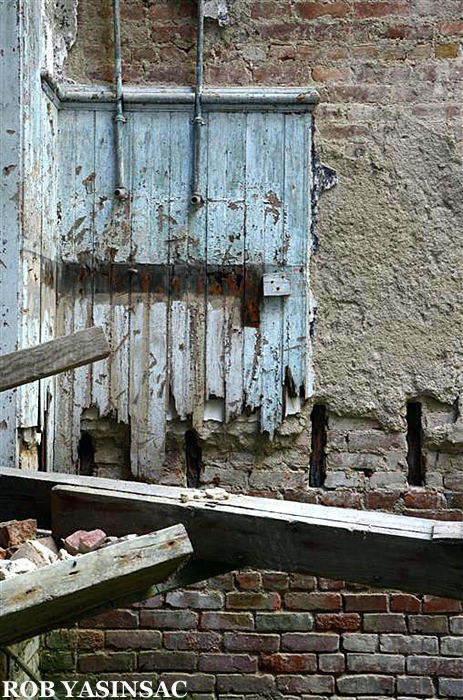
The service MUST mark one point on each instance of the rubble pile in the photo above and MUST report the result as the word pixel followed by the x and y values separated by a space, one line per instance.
pixel 23 549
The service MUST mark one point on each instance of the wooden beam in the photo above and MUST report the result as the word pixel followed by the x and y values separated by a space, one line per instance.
pixel 58 595
pixel 59 355
pixel 378 549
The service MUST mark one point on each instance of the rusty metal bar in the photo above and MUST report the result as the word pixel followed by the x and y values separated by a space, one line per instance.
pixel 120 190
pixel 198 121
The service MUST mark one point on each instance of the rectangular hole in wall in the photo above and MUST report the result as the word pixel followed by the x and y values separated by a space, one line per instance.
pixel 415 444
pixel 317 457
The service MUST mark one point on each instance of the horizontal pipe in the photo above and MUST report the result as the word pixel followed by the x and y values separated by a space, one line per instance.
pixel 218 96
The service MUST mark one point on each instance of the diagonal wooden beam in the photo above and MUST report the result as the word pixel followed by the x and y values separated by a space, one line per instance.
pixel 57 595
pixel 59 355
pixel 378 549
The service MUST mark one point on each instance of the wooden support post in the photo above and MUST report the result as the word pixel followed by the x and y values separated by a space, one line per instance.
pixel 57 595
pixel 67 352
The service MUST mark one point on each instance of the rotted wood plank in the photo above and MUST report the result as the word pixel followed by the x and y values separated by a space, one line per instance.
pixel 57 355
pixel 372 548
pixel 59 595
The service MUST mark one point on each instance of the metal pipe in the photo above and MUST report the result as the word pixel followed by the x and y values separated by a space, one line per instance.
pixel 120 189
pixel 198 121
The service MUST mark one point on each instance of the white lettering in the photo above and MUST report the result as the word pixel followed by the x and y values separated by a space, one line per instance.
pixel 33 687
pixel 146 689
pixel 162 689
pixel 69 688
pixel 10 686
pixel 102 688
pixel 87 689
pixel 174 689
pixel 47 689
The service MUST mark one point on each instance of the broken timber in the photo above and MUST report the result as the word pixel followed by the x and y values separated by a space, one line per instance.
pixel 59 355
pixel 378 549
pixel 58 595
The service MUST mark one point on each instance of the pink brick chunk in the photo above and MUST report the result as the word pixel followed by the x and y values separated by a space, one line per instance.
pixel 83 541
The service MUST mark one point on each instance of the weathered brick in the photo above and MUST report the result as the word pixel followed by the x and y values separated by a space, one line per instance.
pixel 375 663
pixel 103 662
pixel 134 639
pixel 367 602
pixel 238 641
pixel 192 641
pixel 288 663
pixel 227 621
pixel 451 687
pixel 195 599
pixel 312 601
pixel 311 641
pixel 301 582
pixel 284 622
pixel 313 10
pixel 168 619
pixel 381 500
pixel 167 661
pixel 370 10
pixel 235 683
pixel 348 622
pixel 451 646
pixel 428 624
pixel 248 580
pixel 432 604
pixel 405 603
pixel 365 684
pixel 275 580
pixel 330 584
pixel 423 500
pixel 253 601
pixel 55 661
pixel 342 499
pixel 115 619
pixel 15 532
pixel 332 663
pixel 408 644
pixel 408 685
pixel 305 684
pixel 456 624
pixel 434 666
pixel 360 642
pixel 384 622
pixel 227 663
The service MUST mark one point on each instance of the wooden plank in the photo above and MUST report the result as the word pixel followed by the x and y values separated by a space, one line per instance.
pixel 57 355
pixel 61 594
pixel 375 549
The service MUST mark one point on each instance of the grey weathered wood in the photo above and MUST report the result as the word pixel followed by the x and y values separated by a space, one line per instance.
pixel 59 355
pixel 373 548
pixel 61 594
pixel 448 531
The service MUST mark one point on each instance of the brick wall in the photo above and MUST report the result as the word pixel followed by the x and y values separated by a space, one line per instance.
pixel 388 328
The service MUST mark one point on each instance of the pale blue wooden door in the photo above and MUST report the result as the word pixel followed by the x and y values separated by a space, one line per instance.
pixel 208 308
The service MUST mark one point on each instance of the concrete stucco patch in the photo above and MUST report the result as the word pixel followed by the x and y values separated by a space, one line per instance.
pixel 387 276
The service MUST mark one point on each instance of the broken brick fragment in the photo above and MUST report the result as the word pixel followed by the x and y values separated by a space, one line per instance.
pixel 15 532
pixel 83 541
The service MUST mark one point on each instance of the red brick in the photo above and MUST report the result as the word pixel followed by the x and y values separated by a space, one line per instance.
pixel 451 28
pixel 405 603
pixel 253 601
pixel 288 663
pixel 330 584
pixel 324 74
pixel 270 9
pixel 312 10
pixel 115 619
pixel 381 500
pixel 248 580
pixel 90 640
pixel 15 532
pixel 367 602
pixel 338 623
pixel 312 601
pixel 366 10
pixel 432 604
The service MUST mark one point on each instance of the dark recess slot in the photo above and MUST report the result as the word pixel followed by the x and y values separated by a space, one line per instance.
pixel 317 457
pixel 193 456
pixel 86 454
pixel 415 444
